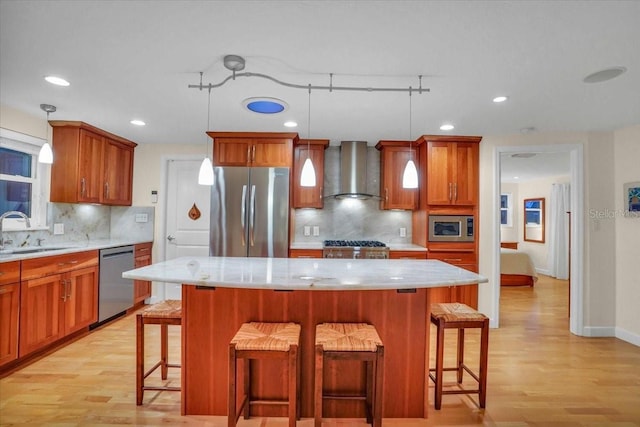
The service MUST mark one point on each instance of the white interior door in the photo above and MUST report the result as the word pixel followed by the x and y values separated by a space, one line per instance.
pixel 187 224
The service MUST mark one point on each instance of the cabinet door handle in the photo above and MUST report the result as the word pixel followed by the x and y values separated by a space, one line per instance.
pixel 64 290
pixel 106 190
pixel 321 190
pixel 249 154
pixel 386 195
pixel 69 292
pixel 452 259
pixel 455 191
pixel 450 191
pixel 83 187
pixel 253 155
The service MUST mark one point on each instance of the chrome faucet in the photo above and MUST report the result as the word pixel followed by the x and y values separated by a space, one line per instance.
pixel 9 213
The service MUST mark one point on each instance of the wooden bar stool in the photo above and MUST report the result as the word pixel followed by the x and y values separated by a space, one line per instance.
pixel 264 341
pixel 164 313
pixel 351 341
pixel 459 316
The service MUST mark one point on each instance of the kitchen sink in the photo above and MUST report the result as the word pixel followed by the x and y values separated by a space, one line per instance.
pixel 20 251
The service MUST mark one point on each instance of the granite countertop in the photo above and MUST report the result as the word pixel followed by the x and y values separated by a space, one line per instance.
pixel 15 254
pixel 306 273
pixel 392 246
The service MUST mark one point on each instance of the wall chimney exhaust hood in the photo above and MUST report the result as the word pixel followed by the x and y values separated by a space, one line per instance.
pixel 353 171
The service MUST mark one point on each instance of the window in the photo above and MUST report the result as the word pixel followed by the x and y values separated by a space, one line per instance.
pixel 506 210
pixel 532 212
pixel 23 181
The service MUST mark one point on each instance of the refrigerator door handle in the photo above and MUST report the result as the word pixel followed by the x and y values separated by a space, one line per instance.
pixel 243 215
pixel 252 214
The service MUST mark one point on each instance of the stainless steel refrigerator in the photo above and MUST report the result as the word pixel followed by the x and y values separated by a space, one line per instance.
pixel 250 212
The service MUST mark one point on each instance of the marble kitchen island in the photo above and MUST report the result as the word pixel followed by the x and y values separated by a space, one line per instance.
pixel 222 293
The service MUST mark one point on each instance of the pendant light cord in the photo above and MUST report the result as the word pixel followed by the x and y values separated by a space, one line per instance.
pixel 309 124
pixel 410 137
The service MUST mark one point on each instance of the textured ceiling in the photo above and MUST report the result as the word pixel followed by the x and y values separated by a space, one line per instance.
pixel 135 59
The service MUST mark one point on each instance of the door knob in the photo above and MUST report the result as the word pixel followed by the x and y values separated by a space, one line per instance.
pixel 171 238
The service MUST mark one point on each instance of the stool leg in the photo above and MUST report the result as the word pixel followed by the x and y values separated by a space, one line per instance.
pixel 460 354
pixel 377 394
pixel 317 395
pixel 369 394
pixel 139 359
pixel 439 361
pixel 231 412
pixel 164 350
pixel 293 385
pixel 484 356
pixel 298 388
pixel 246 401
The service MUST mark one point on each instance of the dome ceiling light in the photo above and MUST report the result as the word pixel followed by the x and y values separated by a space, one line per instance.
pixel 604 75
pixel 264 105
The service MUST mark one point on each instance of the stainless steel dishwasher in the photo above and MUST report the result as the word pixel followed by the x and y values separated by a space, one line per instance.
pixel 115 293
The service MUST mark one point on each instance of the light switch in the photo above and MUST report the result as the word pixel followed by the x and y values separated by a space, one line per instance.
pixel 307 230
pixel 403 232
pixel 142 217
pixel 316 230
pixel 58 228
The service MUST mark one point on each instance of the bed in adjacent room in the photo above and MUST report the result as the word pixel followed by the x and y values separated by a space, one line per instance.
pixel 516 268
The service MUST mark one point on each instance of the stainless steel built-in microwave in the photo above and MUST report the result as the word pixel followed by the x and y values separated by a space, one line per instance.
pixel 451 228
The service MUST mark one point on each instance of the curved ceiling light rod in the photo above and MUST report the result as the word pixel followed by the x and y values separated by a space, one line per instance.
pixel 330 88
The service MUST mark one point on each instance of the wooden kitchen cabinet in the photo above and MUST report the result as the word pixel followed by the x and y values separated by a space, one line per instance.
pixel 142 257
pixel 407 254
pixel 58 296
pixel 253 149
pixel 394 156
pixel 452 170
pixel 309 197
pixel 9 310
pixel 90 165
pixel 305 253
pixel 464 258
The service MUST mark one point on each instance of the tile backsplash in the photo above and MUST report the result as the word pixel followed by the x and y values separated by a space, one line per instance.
pixel 352 219
pixel 82 223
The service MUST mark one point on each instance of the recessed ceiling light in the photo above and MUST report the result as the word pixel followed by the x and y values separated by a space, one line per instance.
pixel 58 81
pixel 516 177
pixel 291 124
pixel 529 129
pixel 137 122
pixel 265 105
pixel 604 75
pixel 446 127
pixel 498 99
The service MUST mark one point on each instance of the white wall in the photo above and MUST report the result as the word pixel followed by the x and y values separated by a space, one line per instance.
pixel 627 249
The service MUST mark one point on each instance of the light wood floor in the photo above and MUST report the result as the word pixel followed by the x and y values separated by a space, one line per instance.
pixel 539 375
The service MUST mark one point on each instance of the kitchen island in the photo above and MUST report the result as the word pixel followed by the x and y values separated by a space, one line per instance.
pixel 223 293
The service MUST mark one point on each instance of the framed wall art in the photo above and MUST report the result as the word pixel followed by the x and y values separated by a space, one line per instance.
pixel 632 197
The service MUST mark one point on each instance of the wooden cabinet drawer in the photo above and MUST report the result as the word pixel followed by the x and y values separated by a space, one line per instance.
pixel 407 255
pixel 143 249
pixel 39 267
pixel 453 257
pixel 9 272
pixel 305 253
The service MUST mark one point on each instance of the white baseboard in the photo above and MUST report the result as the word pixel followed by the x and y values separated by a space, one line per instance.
pixel 627 336
pixel 599 331
pixel 542 271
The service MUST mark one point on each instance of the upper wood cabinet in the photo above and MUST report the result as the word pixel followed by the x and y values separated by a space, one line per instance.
pixel 90 165
pixel 394 156
pixel 254 149
pixel 309 197
pixel 452 169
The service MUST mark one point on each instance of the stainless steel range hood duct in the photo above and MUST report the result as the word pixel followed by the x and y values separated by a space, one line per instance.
pixel 353 170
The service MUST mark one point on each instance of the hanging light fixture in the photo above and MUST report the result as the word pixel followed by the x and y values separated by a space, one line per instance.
pixel 308 175
pixel 410 175
pixel 46 154
pixel 205 176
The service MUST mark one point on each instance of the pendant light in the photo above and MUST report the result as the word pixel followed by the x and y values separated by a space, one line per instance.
pixel 205 176
pixel 46 154
pixel 308 175
pixel 410 175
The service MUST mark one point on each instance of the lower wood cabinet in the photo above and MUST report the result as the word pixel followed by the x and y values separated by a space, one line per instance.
pixel 9 310
pixel 407 254
pixel 466 294
pixel 142 258
pixel 305 253
pixel 58 296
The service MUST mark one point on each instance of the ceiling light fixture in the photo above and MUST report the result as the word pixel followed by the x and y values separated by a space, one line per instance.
pixel 308 174
pixel 46 154
pixel 137 122
pixel 499 99
pixel 236 63
pixel 265 105
pixel 205 175
pixel 58 81
pixel 604 75
pixel 410 175
pixel 447 126
pixel 291 124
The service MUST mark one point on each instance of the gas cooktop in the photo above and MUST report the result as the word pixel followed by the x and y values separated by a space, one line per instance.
pixel 354 243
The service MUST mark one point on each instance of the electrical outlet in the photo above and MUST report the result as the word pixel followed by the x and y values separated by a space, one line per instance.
pixel 142 217
pixel 58 228
pixel 307 230
pixel 403 232
pixel 316 230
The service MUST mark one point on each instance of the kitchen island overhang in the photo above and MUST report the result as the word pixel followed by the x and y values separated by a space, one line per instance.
pixel 223 293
